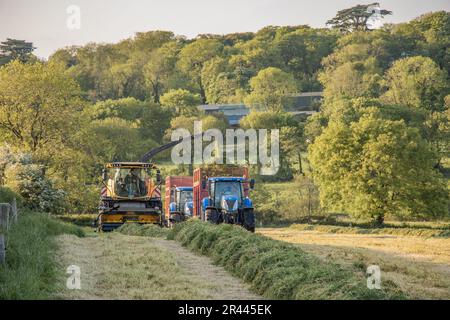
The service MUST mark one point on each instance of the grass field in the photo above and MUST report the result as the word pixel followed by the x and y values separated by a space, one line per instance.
pixel 418 265
pixel 277 270
pixel 31 270
pixel 118 266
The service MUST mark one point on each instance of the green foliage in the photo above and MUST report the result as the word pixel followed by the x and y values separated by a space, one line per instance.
pixel 290 138
pixel 127 108
pixel 275 269
pixel 160 72
pixel 7 196
pixel 417 82
pixel 31 270
pixel 184 102
pixel 39 105
pixel 374 167
pixel 193 57
pixel 270 90
pixel 115 139
pixel 35 188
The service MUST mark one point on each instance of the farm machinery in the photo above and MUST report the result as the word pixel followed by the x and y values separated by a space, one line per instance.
pixel 221 196
pixel 178 199
pixel 130 195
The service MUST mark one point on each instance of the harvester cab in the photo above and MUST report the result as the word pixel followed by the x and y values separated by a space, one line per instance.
pixel 130 194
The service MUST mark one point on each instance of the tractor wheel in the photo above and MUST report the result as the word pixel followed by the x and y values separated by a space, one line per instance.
pixel 212 216
pixel 249 220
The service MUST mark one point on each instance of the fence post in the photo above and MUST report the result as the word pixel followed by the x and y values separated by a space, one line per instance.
pixel 2 249
pixel 14 210
pixel 4 224
pixel 4 215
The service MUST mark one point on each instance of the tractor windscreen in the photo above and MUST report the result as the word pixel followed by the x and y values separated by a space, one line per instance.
pixel 130 182
pixel 185 196
pixel 227 188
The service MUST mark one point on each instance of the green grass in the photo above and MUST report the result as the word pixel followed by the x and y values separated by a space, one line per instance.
pixel 83 220
pixel 277 270
pixel 403 231
pixel 31 271
pixel 148 230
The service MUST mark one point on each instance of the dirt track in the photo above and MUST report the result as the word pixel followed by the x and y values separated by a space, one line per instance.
pixel 115 266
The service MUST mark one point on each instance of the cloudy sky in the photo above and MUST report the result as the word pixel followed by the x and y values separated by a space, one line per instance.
pixel 44 22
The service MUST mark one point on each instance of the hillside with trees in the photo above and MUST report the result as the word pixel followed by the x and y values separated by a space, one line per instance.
pixel 378 147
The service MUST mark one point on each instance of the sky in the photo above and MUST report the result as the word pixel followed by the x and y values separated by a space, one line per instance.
pixel 49 25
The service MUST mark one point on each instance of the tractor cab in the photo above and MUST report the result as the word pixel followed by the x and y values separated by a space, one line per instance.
pixel 183 202
pixel 226 193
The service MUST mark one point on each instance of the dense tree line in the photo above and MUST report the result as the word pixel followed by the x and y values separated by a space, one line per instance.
pixel 377 147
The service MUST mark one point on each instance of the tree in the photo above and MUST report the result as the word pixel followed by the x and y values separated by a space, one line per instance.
pixel 39 106
pixel 377 167
pixel 126 108
pixel 120 140
pixel 13 49
pixel 219 81
pixel 183 101
pixel 160 68
pixel 193 57
pixel 417 82
pixel 30 181
pixel 288 127
pixel 351 80
pixel 357 18
pixel 155 121
pixel 271 89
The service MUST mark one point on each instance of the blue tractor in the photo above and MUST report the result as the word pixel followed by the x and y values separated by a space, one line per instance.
pixel 182 206
pixel 228 201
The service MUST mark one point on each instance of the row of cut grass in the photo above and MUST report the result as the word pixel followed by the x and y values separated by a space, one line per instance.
pixel 402 231
pixel 277 270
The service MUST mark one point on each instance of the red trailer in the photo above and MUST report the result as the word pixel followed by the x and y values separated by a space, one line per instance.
pixel 201 175
pixel 171 184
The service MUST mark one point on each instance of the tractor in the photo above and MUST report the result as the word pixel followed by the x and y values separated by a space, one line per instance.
pixel 222 197
pixel 178 200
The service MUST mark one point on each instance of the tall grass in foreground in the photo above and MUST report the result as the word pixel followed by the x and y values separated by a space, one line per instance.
pixel 275 269
pixel 31 270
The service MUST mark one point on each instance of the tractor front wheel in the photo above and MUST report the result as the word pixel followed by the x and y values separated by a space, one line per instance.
pixel 249 220
pixel 212 215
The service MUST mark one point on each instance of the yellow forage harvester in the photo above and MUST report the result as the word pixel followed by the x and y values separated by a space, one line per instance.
pixel 131 193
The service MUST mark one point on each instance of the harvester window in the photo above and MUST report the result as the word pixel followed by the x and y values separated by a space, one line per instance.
pixel 130 182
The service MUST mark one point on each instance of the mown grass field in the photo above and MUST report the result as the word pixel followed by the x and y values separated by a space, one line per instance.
pixel 419 265
pixel 118 266
pixel 302 261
